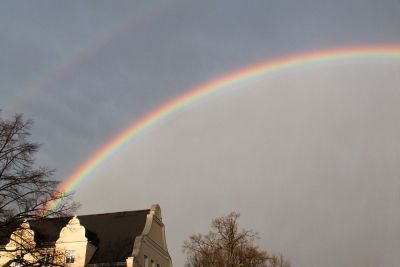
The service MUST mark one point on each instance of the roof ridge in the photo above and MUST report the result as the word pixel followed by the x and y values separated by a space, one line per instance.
pixel 109 213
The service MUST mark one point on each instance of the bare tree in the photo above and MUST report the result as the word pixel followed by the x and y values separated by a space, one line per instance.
pixel 228 246
pixel 26 191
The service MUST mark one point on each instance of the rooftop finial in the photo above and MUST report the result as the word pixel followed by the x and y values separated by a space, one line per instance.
pixel 74 221
pixel 25 224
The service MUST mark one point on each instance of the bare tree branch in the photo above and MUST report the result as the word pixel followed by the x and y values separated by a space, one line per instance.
pixel 26 191
pixel 228 246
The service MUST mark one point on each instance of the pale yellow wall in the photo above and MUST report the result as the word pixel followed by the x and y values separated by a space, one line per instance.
pixel 153 255
pixel 152 242
pixel 156 234
pixel 24 237
pixel 72 238
pixel 5 257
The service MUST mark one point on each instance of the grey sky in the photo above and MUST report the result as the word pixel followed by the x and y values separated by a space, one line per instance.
pixel 111 62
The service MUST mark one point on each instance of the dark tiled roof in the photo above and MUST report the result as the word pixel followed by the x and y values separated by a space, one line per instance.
pixel 47 231
pixel 112 233
pixel 5 232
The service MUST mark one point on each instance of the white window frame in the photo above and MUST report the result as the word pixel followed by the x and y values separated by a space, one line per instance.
pixel 70 257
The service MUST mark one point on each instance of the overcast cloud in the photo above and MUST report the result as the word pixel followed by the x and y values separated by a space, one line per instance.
pixel 309 156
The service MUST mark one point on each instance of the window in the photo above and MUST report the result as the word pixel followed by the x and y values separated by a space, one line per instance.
pixel 46 259
pixel 152 263
pixel 69 256
pixel 18 258
pixel 146 261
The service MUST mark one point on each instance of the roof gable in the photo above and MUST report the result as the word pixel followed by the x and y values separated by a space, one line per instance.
pixel 112 233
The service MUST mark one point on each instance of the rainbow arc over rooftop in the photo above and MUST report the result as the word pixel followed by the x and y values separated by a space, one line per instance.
pixel 201 91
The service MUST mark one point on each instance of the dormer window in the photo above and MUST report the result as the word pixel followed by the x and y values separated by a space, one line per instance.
pixel 69 256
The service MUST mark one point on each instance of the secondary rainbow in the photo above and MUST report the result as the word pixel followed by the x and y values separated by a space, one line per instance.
pixel 86 51
pixel 83 171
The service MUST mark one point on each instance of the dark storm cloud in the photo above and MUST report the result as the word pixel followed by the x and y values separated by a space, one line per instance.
pixel 168 47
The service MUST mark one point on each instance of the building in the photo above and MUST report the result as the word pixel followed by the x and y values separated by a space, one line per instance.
pixel 131 239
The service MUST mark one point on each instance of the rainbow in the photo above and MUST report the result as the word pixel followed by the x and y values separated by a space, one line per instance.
pixel 83 171
pixel 87 50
